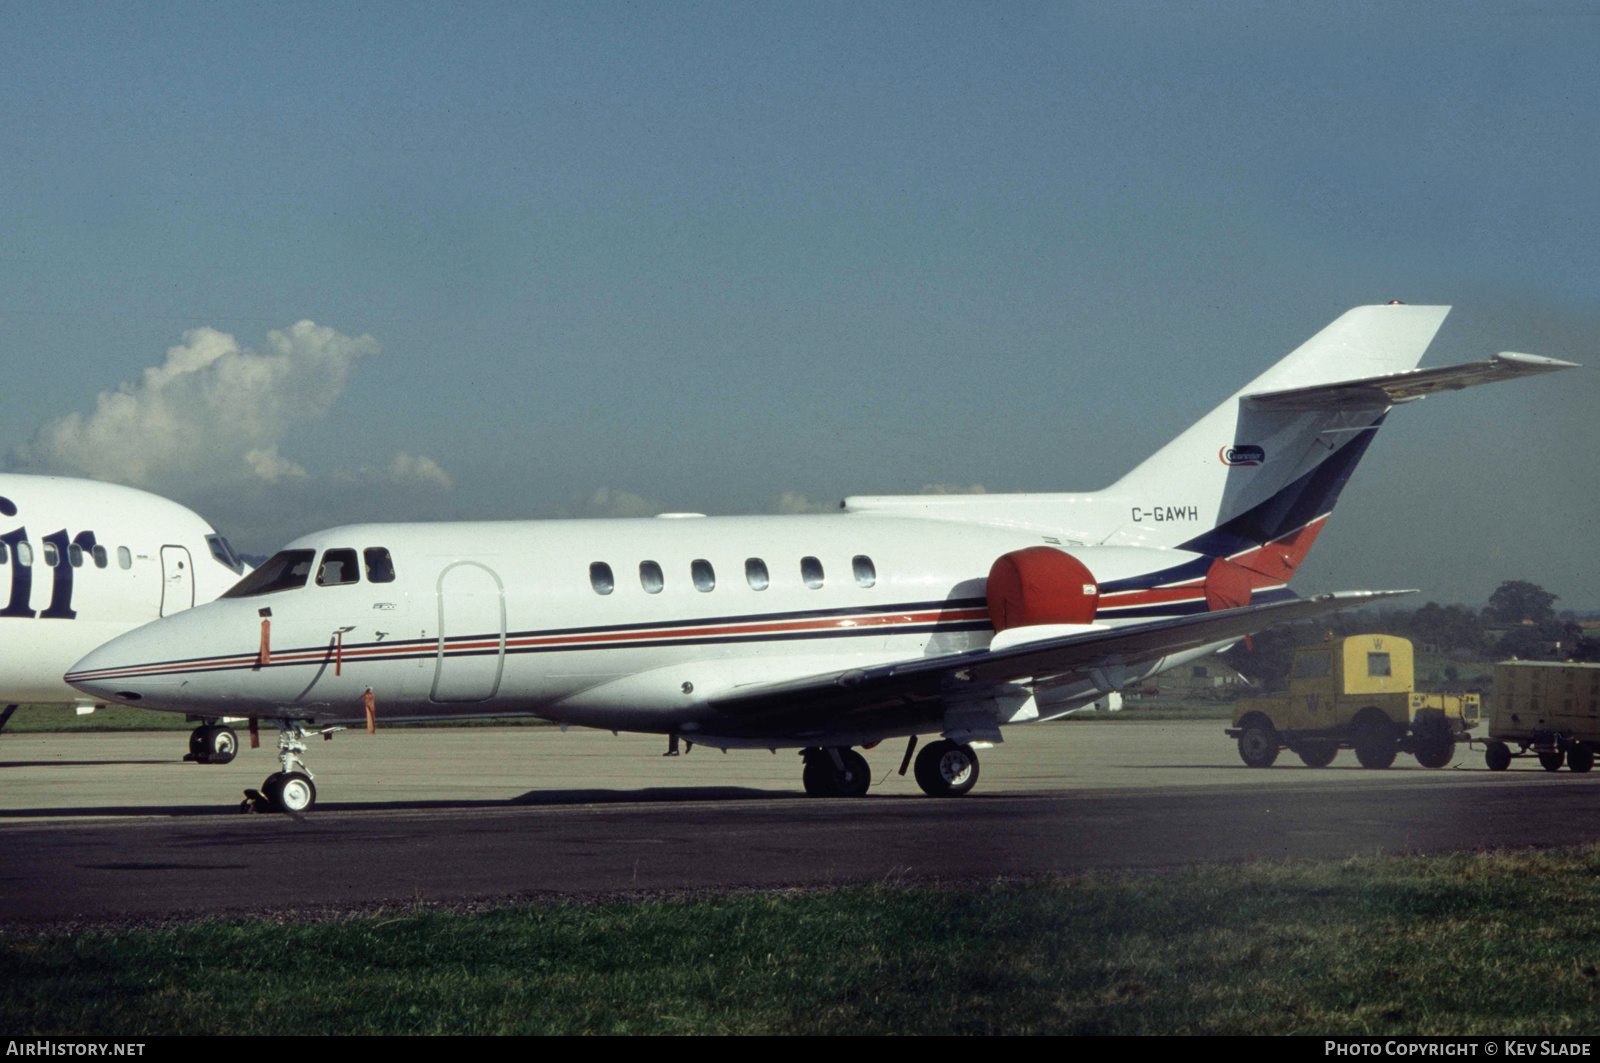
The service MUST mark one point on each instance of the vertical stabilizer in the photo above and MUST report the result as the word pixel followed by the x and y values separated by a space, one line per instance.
pixel 1245 475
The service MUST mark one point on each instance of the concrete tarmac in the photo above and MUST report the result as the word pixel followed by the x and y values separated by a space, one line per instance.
pixel 111 827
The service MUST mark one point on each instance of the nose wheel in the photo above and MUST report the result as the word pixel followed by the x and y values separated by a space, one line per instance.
pixel 213 744
pixel 290 790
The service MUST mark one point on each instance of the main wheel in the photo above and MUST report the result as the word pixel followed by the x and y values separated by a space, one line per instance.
pixel 1551 761
pixel 1318 753
pixel 1580 759
pixel 291 792
pixel 1435 754
pixel 946 769
pixel 1258 745
pixel 1497 756
pixel 823 778
pixel 221 744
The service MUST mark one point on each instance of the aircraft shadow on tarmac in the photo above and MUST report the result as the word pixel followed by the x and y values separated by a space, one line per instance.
pixel 75 763
pixel 648 795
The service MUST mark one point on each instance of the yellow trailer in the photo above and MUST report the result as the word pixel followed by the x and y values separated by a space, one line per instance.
pixel 1354 693
pixel 1548 709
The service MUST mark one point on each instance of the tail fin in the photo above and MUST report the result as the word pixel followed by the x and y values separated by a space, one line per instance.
pixel 1255 474
pixel 1254 479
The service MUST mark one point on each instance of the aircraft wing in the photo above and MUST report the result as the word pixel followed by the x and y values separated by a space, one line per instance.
pixel 866 697
pixel 1379 392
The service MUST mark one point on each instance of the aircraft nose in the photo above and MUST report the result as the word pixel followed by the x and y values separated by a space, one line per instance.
pixel 155 666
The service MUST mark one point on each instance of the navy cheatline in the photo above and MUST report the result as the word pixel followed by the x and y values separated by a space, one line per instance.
pixel 1298 504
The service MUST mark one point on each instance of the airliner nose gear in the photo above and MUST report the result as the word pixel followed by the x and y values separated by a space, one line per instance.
pixel 212 744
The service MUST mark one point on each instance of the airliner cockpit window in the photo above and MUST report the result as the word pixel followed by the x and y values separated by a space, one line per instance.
pixel 338 568
pixel 380 568
pixel 223 551
pixel 286 570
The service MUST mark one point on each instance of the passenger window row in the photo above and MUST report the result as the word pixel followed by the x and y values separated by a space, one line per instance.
pixel 50 554
pixel 704 577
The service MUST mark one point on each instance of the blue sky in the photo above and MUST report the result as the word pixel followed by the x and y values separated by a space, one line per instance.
pixel 729 257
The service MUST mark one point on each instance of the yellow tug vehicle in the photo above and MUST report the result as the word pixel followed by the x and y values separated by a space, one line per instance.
pixel 1354 693
pixel 1548 709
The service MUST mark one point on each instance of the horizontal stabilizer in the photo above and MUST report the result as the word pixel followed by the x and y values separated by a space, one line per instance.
pixel 1378 392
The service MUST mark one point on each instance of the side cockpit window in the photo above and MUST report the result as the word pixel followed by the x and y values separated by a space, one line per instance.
pixel 286 570
pixel 338 568
pixel 380 567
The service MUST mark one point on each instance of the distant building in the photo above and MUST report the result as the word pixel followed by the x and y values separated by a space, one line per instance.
pixel 1208 677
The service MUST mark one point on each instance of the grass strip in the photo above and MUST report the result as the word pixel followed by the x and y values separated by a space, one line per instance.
pixel 1486 943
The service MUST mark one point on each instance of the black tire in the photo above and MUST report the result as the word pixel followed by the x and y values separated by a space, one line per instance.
pixel 1435 754
pixel 823 778
pixel 946 769
pixel 1317 753
pixel 1551 760
pixel 1258 745
pixel 292 792
pixel 197 743
pixel 221 745
pixel 1376 739
pixel 817 777
pixel 1580 759
pixel 1497 756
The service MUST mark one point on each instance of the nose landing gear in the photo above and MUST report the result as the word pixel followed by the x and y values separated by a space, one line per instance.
pixel 212 744
pixel 290 790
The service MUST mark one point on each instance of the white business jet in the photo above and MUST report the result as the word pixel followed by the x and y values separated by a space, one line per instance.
pixel 82 562
pixel 897 617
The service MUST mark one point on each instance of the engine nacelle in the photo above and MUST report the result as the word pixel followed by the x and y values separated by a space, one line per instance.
pixel 1041 585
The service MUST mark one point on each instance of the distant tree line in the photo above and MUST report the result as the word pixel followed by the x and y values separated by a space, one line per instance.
pixel 1520 621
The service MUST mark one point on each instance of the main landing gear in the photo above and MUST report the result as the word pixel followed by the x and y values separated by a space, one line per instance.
pixel 290 790
pixel 212 744
pixel 943 769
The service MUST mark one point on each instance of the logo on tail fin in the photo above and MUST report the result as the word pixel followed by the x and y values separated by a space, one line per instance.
pixel 1249 454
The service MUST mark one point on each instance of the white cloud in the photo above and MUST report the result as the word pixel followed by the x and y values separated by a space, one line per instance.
pixel 795 502
pixel 209 414
pixel 418 469
pixel 610 502
pixel 271 466
pixel 952 489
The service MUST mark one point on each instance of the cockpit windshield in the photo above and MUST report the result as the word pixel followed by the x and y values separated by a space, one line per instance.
pixel 284 571
pixel 223 551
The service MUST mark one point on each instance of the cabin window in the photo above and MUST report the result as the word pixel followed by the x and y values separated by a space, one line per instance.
pixel 600 578
pixel 338 568
pixel 25 554
pixel 1313 665
pixel 1378 664
pixel 755 573
pixel 124 557
pixel 811 572
pixel 222 550
pixel 285 570
pixel 101 559
pixel 51 555
pixel 650 577
pixel 380 568
pixel 705 577
pixel 75 555
pixel 866 574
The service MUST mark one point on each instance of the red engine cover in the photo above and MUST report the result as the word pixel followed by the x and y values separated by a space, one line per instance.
pixel 1040 585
